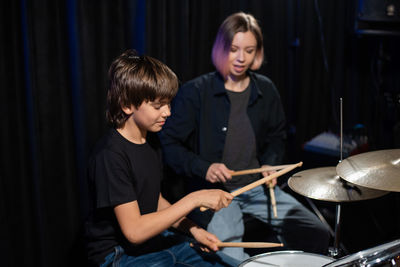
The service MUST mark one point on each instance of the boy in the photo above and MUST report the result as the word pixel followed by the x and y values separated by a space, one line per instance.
pixel 129 216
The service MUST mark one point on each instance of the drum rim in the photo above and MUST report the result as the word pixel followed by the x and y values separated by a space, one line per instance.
pixel 284 252
pixel 367 254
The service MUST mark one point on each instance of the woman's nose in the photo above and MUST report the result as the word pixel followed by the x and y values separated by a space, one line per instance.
pixel 240 56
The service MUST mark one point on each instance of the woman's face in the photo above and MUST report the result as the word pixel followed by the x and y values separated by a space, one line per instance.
pixel 242 54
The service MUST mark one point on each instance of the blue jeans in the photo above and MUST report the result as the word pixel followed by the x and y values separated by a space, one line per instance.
pixel 296 227
pixel 181 255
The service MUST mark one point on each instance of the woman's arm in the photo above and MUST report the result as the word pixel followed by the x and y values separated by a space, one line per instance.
pixel 179 134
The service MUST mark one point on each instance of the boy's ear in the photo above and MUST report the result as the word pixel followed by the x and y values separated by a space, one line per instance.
pixel 128 110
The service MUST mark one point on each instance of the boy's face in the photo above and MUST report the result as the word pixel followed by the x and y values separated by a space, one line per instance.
pixel 151 115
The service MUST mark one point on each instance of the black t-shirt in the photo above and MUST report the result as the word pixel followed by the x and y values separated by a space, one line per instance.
pixel 120 171
pixel 240 143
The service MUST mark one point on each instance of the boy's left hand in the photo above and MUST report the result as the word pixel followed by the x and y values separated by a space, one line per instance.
pixel 208 241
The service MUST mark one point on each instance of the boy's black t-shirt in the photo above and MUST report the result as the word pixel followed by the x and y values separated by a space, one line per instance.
pixel 120 171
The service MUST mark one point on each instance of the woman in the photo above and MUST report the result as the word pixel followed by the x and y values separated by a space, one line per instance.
pixel 232 119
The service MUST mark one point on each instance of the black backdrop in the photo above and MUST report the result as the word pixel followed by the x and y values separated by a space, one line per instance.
pixel 54 61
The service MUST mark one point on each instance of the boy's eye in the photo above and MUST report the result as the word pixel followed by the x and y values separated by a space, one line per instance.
pixel 160 105
pixel 157 106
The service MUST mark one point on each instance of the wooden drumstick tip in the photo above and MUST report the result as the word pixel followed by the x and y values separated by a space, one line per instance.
pixel 273 200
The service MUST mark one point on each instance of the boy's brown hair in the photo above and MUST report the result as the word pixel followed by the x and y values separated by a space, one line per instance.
pixel 134 79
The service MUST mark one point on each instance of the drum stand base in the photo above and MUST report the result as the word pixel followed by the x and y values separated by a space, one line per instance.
pixel 334 252
pixel 338 250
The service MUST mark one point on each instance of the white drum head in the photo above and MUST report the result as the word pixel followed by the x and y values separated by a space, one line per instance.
pixel 287 259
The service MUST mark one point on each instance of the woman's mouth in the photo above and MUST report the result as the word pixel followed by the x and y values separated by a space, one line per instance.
pixel 238 68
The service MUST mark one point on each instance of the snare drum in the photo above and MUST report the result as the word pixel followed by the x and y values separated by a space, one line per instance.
pixel 287 259
pixel 386 255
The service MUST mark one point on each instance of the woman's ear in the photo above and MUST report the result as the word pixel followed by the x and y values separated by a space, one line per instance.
pixel 128 110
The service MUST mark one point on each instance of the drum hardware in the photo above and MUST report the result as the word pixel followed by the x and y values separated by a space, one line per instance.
pixel 334 252
pixel 325 184
pixel 384 255
pixel 377 169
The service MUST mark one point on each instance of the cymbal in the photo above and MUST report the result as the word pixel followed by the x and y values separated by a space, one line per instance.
pixel 377 169
pixel 324 184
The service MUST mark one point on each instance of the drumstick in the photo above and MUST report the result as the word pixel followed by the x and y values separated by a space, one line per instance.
pixel 266 179
pixel 261 181
pixel 249 244
pixel 243 244
pixel 258 170
pixel 273 200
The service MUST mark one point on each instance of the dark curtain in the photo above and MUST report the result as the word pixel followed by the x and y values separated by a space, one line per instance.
pixel 55 56
pixel 54 61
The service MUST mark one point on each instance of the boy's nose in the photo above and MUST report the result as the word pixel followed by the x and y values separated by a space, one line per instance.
pixel 166 112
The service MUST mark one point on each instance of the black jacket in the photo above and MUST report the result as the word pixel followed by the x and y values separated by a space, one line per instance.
pixel 194 136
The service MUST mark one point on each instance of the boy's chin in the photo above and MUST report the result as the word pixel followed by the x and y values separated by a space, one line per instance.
pixel 155 129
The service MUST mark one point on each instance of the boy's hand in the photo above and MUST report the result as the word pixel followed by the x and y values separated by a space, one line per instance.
pixel 214 199
pixel 218 172
pixel 206 239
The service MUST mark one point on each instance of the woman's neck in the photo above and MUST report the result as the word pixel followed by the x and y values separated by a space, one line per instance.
pixel 236 84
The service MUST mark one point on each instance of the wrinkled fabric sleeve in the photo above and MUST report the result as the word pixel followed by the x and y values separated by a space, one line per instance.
pixel 113 184
pixel 273 148
pixel 178 136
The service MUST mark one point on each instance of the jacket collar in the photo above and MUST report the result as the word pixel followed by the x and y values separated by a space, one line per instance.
pixel 219 86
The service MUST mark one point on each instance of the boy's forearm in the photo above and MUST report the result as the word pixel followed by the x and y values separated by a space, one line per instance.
pixel 184 225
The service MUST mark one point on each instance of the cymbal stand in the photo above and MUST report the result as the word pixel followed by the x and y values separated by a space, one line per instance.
pixel 334 252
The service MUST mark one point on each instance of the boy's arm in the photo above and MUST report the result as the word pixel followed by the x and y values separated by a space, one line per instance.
pixel 138 228
pixel 184 225
pixel 188 226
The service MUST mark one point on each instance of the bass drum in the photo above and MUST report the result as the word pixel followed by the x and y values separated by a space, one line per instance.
pixel 288 258
pixel 384 255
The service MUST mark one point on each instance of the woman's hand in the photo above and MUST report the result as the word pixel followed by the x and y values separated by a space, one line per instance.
pixel 218 172
pixel 264 174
